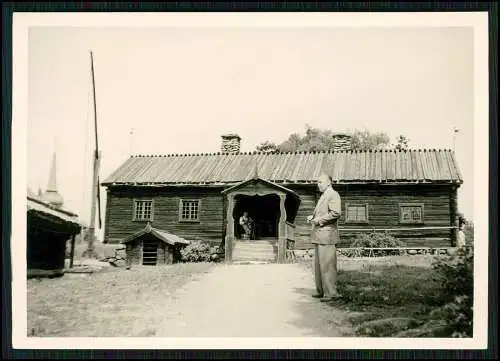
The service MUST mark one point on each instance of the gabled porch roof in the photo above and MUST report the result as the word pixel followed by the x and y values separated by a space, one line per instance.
pixel 256 180
pixel 160 234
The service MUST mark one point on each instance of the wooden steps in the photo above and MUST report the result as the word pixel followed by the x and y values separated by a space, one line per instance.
pixel 261 251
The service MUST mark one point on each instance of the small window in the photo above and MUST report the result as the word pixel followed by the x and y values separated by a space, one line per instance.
pixel 411 213
pixel 189 210
pixel 356 213
pixel 143 210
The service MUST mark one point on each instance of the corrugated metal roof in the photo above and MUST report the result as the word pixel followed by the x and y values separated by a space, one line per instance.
pixel 416 165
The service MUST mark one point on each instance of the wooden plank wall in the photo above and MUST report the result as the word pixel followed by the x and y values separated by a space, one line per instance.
pixel 120 207
pixel 134 252
pixel 165 253
pixel 383 203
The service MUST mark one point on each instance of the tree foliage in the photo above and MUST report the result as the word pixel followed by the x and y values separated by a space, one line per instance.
pixel 401 143
pixel 364 140
pixel 316 139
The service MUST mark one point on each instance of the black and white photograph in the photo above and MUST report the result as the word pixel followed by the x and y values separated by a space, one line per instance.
pixel 250 180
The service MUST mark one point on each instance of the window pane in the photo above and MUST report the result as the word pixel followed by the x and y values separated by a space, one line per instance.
pixel 138 209
pixel 416 214
pixel 411 213
pixel 189 210
pixel 361 213
pixel 351 213
pixel 356 213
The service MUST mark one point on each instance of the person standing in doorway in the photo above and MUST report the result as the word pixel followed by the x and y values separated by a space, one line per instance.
pixel 325 236
pixel 247 223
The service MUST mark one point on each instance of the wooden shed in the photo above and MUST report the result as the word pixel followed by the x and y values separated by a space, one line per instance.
pixel 410 193
pixel 48 230
pixel 151 247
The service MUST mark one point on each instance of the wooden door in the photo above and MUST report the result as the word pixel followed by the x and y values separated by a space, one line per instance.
pixel 149 252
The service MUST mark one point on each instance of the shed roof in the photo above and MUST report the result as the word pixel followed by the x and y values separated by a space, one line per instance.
pixel 162 235
pixel 38 206
pixel 416 165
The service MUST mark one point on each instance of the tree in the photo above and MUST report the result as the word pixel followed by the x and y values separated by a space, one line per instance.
pixel 267 147
pixel 322 140
pixel 401 143
pixel 364 140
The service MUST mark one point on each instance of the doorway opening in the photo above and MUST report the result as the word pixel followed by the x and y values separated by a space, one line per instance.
pixel 149 252
pixel 264 213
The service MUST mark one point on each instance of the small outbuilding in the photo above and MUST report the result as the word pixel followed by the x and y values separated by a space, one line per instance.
pixel 49 227
pixel 152 246
pixel 48 230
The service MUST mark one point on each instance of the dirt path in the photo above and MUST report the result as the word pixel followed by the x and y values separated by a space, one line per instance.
pixel 251 301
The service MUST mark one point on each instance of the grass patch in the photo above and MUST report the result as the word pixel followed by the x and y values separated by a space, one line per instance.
pixel 385 296
pixel 391 298
pixel 390 286
pixel 111 303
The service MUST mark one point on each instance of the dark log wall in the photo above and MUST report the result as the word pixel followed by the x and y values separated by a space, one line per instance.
pixel 120 208
pixel 302 231
pixel 453 214
pixel 134 252
pixel 382 199
pixel 383 212
pixel 46 242
pixel 45 251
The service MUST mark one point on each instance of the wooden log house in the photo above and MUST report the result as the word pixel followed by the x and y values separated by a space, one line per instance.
pixel 412 194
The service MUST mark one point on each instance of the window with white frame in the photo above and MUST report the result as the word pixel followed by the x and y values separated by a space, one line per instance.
pixel 356 213
pixel 189 210
pixel 143 210
pixel 411 213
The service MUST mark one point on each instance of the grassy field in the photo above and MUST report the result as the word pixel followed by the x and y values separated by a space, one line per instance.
pixel 388 296
pixel 111 302
pixel 382 296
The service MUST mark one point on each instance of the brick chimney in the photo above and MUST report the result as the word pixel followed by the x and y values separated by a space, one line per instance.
pixel 230 143
pixel 341 141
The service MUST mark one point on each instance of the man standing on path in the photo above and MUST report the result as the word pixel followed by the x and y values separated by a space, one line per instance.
pixel 325 236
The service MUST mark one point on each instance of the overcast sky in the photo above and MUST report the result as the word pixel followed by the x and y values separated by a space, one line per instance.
pixel 180 88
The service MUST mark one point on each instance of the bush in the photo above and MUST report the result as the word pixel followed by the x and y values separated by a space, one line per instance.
pixel 377 240
pixel 456 276
pixel 199 251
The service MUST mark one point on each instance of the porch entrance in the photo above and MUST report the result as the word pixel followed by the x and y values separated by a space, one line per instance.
pixel 272 209
pixel 264 213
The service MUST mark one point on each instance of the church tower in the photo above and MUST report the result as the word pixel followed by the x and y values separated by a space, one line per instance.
pixel 51 195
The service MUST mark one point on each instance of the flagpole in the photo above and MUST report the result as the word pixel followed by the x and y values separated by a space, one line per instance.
pixel 131 151
pixel 90 252
pixel 455 131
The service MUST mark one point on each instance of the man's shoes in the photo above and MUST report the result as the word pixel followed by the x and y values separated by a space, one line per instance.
pixel 316 295
pixel 330 298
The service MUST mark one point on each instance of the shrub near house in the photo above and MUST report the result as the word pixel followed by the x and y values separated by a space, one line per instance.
pixel 456 276
pixel 199 251
pixel 376 240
